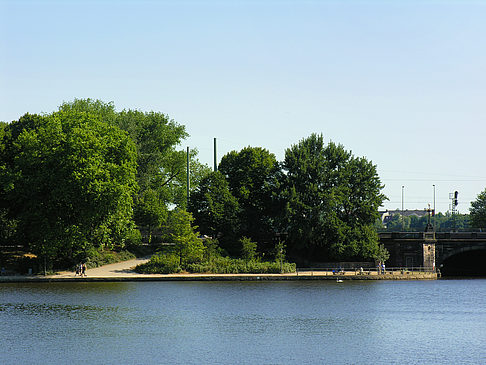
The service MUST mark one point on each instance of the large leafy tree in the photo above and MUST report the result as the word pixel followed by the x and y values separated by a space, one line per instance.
pixel 253 178
pixel 442 223
pixel 149 213
pixel 68 179
pixel 7 225
pixel 215 210
pixel 478 211
pixel 187 246
pixel 161 166
pixel 332 201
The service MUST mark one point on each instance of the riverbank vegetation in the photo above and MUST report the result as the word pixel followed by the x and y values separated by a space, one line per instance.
pixel 87 178
pixel 213 261
pixel 413 223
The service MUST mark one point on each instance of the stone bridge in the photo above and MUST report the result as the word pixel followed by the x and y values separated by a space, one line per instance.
pixel 432 250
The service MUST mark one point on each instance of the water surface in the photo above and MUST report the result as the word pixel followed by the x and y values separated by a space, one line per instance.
pixel 317 322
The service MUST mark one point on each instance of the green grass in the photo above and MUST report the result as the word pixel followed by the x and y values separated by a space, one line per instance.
pixel 168 263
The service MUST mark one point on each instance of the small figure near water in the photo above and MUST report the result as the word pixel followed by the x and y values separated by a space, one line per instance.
pixel 83 269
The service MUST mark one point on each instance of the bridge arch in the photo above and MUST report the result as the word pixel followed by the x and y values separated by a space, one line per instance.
pixel 458 251
pixel 465 261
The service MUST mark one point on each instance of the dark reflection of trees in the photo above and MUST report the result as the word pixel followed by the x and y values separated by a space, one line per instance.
pixel 470 263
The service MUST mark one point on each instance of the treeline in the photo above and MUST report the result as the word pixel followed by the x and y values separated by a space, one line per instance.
pixel 442 223
pixel 320 200
pixel 87 177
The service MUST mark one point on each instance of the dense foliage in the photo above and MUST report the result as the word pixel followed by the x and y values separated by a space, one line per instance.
pixel 321 200
pixel 478 211
pixel 442 222
pixel 216 210
pixel 161 166
pixel 226 265
pixel 68 180
pixel 87 176
pixel 332 201
pixel 192 254
pixel 253 178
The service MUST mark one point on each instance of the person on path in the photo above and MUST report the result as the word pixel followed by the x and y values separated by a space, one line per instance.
pixel 83 269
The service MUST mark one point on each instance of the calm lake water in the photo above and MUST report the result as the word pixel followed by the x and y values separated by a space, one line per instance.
pixel 318 322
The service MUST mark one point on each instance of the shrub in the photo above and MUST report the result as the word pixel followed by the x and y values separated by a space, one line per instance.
pixel 168 263
pixel 226 265
pixel 248 248
pixel 162 263
pixel 98 258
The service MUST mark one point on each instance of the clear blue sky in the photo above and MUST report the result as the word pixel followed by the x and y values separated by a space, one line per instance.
pixel 400 82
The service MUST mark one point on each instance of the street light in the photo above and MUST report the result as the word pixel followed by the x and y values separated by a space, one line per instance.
pixel 433 222
pixel 403 218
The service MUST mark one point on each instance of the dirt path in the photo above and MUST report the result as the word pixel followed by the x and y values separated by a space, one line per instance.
pixel 120 269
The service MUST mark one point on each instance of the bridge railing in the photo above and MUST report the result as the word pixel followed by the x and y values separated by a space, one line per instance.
pixel 364 271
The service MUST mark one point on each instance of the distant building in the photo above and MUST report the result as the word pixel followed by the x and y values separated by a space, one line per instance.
pixel 386 215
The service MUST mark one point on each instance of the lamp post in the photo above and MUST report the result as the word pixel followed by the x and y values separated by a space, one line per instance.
pixel 188 186
pixel 433 221
pixel 403 218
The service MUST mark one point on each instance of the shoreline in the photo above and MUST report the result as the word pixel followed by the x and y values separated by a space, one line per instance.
pixel 123 272
pixel 133 277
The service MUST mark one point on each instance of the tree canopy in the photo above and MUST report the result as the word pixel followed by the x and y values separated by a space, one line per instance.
pixel 86 175
pixel 321 199
pixel 68 179
pixel 331 200
pixel 216 210
pixel 478 211
pixel 442 223
pixel 160 165
pixel 253 177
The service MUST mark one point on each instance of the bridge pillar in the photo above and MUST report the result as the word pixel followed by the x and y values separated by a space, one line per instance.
pixel 428 249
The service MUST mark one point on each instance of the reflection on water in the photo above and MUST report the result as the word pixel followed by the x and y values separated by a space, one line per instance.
pixel 244 322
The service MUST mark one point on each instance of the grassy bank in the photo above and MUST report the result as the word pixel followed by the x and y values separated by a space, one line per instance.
pixel 170 264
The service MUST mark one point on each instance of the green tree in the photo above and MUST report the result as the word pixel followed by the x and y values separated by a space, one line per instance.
pixel 478 211
pixel 188 247
pixel 381 254
pixel 279 252
pixel 68 179
pixel 7 225
pixel 398 223
pixel 253 177
pixel 149 213
pixel 160 165
pixel 442 222
pixel 332 201
pixel 248 249
pixel 216 210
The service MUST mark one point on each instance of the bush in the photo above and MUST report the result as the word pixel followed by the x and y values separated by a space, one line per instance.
pixel 226 265
pixel 248 248
pixel 162 263
pixel 168 263
pixel 134 238
pixel 98 258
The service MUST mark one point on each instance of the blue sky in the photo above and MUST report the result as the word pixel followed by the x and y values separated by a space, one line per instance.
pixel 400 82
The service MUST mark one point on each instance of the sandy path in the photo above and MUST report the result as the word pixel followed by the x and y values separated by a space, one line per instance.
pixel 119 269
